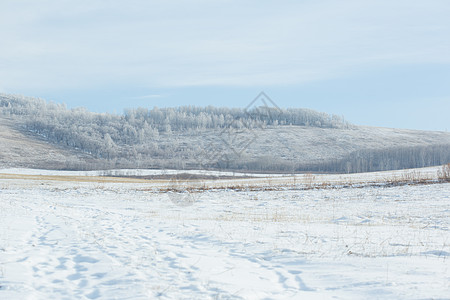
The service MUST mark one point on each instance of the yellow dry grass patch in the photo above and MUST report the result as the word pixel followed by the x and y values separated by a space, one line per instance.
pixel 97 179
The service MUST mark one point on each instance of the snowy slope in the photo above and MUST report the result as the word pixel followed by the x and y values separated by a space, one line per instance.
pixel 284 146
pixel 19 149
pixel 64 239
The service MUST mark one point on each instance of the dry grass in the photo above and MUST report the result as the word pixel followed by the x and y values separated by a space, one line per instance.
pixel 306 182
pixel 97 179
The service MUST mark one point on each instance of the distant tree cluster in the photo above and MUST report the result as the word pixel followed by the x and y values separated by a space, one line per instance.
pixel 367 160
pixel 138 131
pixel 372 160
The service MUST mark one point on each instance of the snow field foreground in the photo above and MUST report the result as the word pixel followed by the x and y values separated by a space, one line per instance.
pixel 92 240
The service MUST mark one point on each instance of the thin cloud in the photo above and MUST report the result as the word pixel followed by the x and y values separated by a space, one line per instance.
pixel 149 96
pixel 201 43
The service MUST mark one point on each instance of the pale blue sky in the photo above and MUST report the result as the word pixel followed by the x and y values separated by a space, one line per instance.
pixel 377 62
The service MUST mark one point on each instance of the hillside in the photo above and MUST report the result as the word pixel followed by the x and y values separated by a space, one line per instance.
pixel 22 149
pixel 38 134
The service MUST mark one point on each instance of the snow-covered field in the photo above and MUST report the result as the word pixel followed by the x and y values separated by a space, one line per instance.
pixel 67 239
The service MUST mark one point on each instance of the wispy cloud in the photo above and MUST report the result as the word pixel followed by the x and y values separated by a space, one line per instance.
pixel 148 96
pixel 194 43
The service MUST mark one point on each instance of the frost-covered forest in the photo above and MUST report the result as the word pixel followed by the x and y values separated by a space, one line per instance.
pixel 203 137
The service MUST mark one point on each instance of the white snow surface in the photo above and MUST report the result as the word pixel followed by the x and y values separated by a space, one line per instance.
pixel 100 240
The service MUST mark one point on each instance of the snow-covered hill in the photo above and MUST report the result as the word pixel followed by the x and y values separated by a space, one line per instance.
pixel 38 134
pixel 283 148
pixel 19 148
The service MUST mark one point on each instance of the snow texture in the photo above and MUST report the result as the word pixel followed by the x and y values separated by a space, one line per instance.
pixel 113 240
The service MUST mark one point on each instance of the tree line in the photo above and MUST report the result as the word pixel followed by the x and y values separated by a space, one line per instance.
pixel 395 158
pixel 138 131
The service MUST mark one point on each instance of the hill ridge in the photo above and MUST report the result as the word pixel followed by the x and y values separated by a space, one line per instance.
pixel 285 140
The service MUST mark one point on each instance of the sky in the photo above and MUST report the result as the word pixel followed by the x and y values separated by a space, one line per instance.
pixel 375 62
